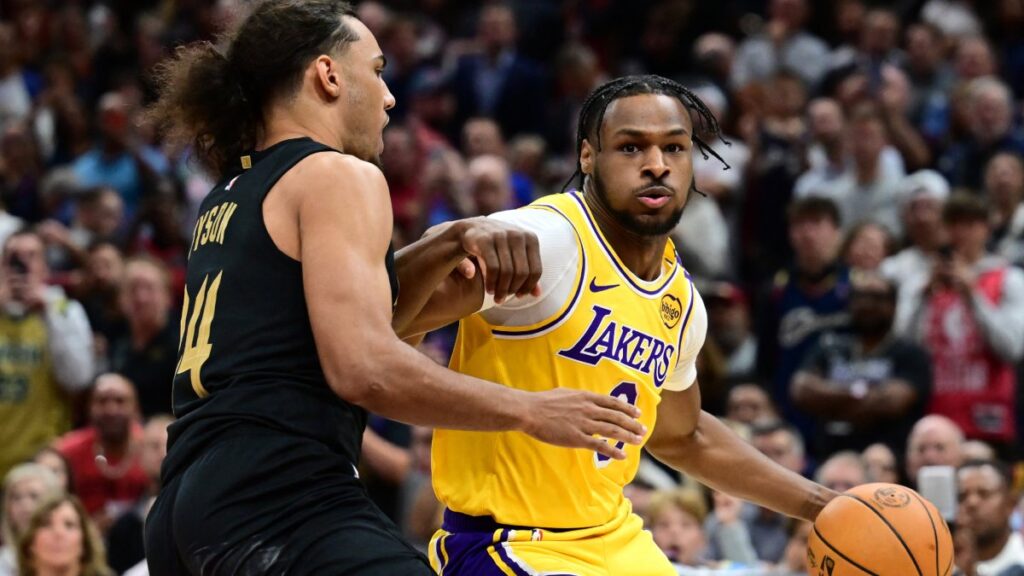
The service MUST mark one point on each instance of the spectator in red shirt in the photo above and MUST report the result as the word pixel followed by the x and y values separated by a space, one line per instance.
pixel 104 456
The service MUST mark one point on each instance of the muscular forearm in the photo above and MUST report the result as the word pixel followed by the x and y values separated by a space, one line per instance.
pixel 395 381
pixel 717 457
pixel 422 267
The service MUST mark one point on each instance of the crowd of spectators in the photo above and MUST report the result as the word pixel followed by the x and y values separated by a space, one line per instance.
pixel 860 259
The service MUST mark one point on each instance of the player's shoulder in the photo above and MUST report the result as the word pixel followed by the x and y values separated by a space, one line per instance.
pixel 330 166
pixel 329 182
pixel 538 220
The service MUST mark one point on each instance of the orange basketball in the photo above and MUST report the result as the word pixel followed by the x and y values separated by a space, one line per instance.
pixel 880 530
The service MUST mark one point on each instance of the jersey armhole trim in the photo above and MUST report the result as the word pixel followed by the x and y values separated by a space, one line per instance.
pixel 685 323
pixel 316 149
pixel 556 319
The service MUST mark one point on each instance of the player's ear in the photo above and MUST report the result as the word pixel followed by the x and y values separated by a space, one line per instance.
pixel 328 75
pixel 587 157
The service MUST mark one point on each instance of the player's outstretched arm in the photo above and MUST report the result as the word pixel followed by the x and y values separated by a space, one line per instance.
pixel 344 226
pixel 698 444
pixel 438 273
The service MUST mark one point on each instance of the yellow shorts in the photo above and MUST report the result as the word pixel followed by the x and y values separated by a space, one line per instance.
pixel 476 546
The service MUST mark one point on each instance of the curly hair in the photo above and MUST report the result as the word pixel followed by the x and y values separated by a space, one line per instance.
pixel 212 97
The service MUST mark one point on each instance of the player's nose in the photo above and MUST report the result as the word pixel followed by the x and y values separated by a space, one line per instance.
pixel 655 165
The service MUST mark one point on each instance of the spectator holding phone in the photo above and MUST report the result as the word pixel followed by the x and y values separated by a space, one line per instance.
pixel 45 352
pixel 971 319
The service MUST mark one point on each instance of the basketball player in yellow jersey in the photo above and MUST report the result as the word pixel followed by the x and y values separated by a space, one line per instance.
pixel 617 315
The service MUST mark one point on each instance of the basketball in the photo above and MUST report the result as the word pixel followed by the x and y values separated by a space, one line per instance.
pixel 881 530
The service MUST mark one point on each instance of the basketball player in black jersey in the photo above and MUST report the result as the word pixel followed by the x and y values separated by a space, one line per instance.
pixel 286 332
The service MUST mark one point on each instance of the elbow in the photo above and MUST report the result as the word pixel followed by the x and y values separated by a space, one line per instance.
pixel 668 453
pixel 366 376
pixel 358 376
pixel 675 450
pixel 356 383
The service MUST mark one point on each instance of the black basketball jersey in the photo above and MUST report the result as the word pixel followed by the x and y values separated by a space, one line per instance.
pixel 247 353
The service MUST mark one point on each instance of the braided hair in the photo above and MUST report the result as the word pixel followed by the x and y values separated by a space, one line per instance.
pixel 594 107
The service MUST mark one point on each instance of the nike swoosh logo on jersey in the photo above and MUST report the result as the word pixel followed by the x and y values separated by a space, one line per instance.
pixel 595 287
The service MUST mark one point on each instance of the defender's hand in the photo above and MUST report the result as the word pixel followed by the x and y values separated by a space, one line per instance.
pixel 572 418
pixel 508 257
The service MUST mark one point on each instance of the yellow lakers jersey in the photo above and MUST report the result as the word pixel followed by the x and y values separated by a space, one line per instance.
pixel 615 334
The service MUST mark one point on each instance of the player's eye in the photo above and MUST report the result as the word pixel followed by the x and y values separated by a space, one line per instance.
pixel 629 148
pixel 675 148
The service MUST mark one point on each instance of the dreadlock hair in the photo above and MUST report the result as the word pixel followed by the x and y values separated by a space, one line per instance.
pixel 594 107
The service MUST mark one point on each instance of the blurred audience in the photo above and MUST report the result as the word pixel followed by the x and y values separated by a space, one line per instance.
pixel 125 546
pixel 730 328
pixel 783 44
pixel 749 404
pixel 924 195
pixel 986 504
pixel 970 317
pixel 934 441
pixel 868 386
pixel 46 346
pixel 25 486
pixel 804 301
pixel 104 456
pixel 882 109
pixel 60 539
pixel 492 79
pixel 147 353
pixel 880 464
pixel 866 246
pixel 991 130
pixel 54 461
pixel 842 471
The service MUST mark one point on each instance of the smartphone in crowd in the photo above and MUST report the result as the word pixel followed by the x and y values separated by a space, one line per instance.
pixel 938 485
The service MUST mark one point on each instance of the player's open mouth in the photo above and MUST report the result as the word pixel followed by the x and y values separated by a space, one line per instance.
pixel 655 196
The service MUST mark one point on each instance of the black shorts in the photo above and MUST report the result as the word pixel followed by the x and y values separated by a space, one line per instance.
pixel 265 503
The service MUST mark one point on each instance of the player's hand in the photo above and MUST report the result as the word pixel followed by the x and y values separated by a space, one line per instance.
pixel 508 257
pixel 579 419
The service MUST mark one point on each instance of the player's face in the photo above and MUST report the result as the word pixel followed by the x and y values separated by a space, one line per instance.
pixel 643 171
pixel 367 98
